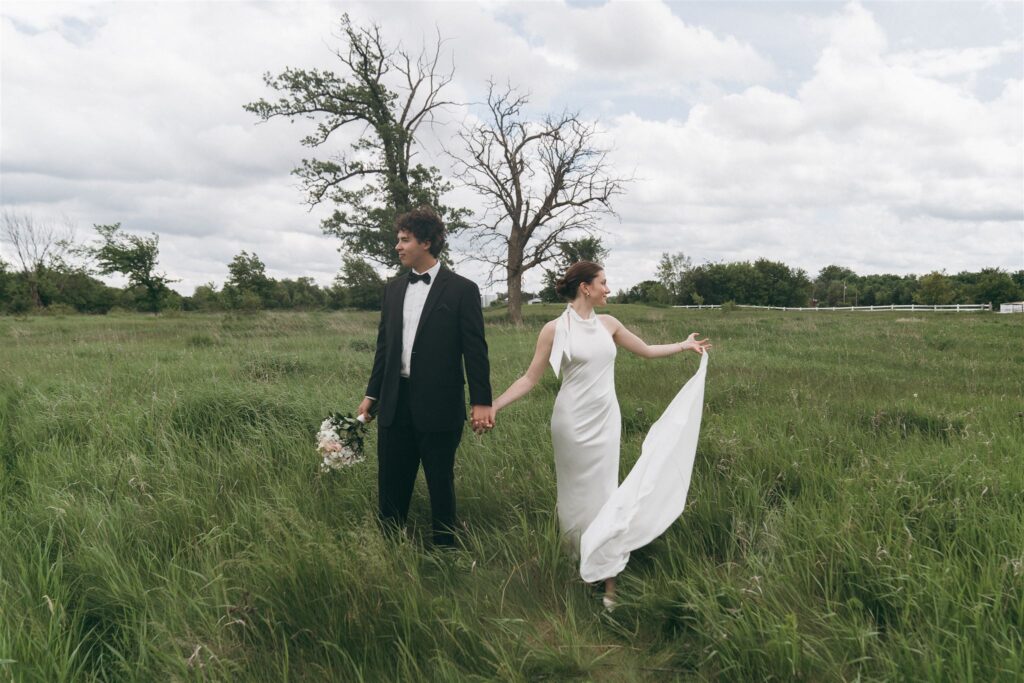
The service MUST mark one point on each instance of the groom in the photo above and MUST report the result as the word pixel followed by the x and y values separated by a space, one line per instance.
pixel 430 324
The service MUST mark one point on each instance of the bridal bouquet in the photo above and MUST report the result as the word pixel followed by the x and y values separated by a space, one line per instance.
pixel 340 441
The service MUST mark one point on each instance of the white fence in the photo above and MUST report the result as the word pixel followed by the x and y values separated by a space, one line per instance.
pixel 952 308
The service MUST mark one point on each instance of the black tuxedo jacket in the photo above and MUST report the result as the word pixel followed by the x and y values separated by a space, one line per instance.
pixel 450 333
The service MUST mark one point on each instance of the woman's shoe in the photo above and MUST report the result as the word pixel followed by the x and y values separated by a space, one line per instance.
pixel 608 602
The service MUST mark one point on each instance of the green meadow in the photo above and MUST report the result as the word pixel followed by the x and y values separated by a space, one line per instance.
pixel 856 511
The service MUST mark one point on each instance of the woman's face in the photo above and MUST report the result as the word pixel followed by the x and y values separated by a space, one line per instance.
pixel 598 289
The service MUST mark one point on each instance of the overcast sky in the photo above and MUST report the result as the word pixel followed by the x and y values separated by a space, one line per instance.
pixel 886 137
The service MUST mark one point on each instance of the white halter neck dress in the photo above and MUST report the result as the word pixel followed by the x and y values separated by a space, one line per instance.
pixel 601 519
pixel 585 422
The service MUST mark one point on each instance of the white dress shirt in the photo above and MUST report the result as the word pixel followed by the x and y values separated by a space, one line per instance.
pixel 415 297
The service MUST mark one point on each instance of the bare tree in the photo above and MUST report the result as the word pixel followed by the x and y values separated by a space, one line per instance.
pixel 36 244
pixel 543 183
pixel 390 93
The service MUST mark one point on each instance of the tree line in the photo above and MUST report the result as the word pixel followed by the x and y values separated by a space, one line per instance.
pixel 771 283
pixel 51 273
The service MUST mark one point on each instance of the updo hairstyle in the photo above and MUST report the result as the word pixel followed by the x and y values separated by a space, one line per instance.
pixel 568 286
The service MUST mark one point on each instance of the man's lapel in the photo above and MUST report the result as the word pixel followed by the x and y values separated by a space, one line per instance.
pixel 440 282
pixel 397 311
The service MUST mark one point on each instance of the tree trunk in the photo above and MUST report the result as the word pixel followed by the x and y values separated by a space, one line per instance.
pixel 514 278
pixel 515 296
pixel 33 278
pixel 33 292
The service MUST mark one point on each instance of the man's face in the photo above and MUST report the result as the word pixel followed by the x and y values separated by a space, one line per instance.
pixel 410 250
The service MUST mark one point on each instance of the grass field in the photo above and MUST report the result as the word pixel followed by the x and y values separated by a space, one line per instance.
pixel 856 512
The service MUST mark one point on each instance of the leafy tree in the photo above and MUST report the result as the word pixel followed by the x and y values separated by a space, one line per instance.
pixel 76 288
pixel 589 248
pixel 362 285
pixel 388 94
pixel 247 286
pixel 242 300
pixel 994 286
pixel 646 292
pixel 6 285
pixel 172 301
pixel 903 290
pixel 543 183
pixel 835 294
pixel 935 288
pixel 886 289
pixel 672 274
pixel 763 283
pixel 776 284
pixel 204 298
pixel 56 282
pixel 834 272
pixel 717 283
pixel 584 249
pixel 135 257
pixel 831 287
pixel 299 294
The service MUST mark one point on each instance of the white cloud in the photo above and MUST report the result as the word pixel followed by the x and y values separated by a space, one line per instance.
pixel 883 156
pixel 871 164
pixel 639 41
pixel 949 62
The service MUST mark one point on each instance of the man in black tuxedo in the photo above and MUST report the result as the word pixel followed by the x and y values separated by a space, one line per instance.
pixel 430 324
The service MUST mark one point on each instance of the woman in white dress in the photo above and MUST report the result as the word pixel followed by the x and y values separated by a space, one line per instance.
pixel 585 423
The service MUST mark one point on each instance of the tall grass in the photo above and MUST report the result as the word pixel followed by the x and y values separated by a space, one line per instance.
pixel 856 509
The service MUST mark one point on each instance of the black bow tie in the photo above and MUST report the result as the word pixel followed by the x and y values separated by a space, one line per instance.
pixel 414 278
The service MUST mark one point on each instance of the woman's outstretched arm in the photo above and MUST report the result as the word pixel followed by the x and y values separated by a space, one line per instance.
pixel 522 386
pixel 634 344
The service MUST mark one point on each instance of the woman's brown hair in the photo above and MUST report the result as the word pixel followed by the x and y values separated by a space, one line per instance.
pixel 568 285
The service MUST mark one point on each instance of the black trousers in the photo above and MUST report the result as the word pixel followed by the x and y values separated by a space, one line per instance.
pixel 400 450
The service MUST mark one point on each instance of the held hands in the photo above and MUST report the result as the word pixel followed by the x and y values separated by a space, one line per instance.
pixel 482 419
pixel 698 346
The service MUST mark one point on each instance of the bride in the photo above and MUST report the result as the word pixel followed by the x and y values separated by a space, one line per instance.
pixel 585 423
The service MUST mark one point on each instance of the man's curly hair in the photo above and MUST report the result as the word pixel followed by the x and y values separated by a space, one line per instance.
pixel 425 225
